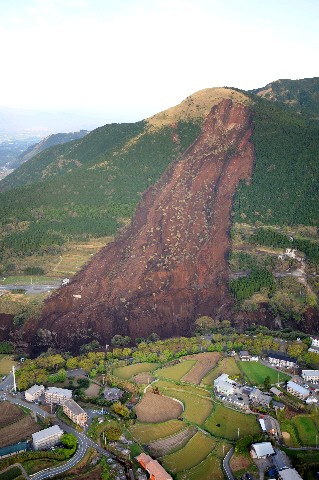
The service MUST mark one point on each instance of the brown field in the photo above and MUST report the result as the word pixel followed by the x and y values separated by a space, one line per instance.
pixel 239 462
pixel 18 431
pixel 143 378
pixel 9 413
pixel 204 363
pixel 157 408
pixel 92 391
pixel 170 444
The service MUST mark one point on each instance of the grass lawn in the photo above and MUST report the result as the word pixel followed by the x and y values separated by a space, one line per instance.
pixel 256 373
pixel 289 433
pixel 194 452
pixel 6 362
pixel 148 432
pixel 226 365
pixel 197 408
pixel 224 422
pixel 307 429
pixel 131 370
pixel 176 372
pixel 26 280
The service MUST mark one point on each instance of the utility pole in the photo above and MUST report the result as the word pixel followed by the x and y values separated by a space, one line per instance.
pixel 14 379
pixel 238 432
pixel 316 441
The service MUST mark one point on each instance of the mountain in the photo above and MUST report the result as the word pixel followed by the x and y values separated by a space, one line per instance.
pixel 300 95
pixel 47 142
pixel 170 264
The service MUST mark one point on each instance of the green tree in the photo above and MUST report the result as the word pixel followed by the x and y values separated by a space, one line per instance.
pixel 267 383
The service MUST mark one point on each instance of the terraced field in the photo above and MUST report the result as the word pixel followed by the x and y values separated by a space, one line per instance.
pixel 194 452
pixel 205 362
pixel 209 469
pixel 167 445
pixel 130 370
pixel 226 365
pixel 197 402
pixel 224 422
pixel 307 429
pixel 157 408
pixel 146 433
pixel 175 372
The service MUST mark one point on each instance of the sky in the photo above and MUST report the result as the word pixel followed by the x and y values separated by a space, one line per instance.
pixel 129 59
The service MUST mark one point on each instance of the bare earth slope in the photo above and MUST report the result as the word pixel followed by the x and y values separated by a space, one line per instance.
pixel 169 265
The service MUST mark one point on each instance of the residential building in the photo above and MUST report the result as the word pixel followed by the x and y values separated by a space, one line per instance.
pixel 310 375
pixel 282 360
pixel 47 438
pixel 311 400
pixel 289 474
pixel 244 356
pixel 75 412
pixel 224 385
pixel 314 341
pixel 34 392
pixel 297 390
pixel 278 405
pixel 275 391
pixel 155 470
pixel 257 397
pixel 112 394
pixel 57 395
pixel 262 450
pixel 313 349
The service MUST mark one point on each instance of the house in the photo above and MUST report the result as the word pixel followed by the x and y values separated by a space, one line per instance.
pixel 314 341
pixel 311 400
pixel 297 390
pixel 278 405
pixel 275 391
pixel 57 395
pixel 112 394
pixel 313 349
pixel 289 474
pixel 47 438
pixel 282 360
pixel 223 384
pixel 75 412
pixel 310 375
pixel 244 356
pixel 155 470
pixel 34 392
pixel 262 450
pixel 257 397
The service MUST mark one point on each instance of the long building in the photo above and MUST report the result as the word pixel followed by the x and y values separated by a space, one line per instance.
pixel 297 390
pixel 47 438
pixel 156 471
pixel 310 375
pixel 57 395
pixel 34 392
pixel 75 412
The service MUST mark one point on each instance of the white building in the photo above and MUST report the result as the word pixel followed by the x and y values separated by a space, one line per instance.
pixel 57 395
pixel 289 474
pixel 281 360
pixel 297 390
pixel 223 384
pixel 310 375
pixel 262 450
pixel 314 341
pixel 33 393
pixel 47 438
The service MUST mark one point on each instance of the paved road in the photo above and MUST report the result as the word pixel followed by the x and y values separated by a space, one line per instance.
pixel 227 470
pixel 7 383
pixel 30 289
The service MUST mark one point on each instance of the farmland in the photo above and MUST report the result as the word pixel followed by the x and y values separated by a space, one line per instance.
pixel 210 468
pixel 6 362
pixel 195 451
pixel 130 370
pixel 17 431
pixel 146 433
pixel 224 422
pixel 204 363
pixel 256 373
pixel 170 444
pixel 226 365
pixel 197 406
pixel 157 408
pixel 176 372
pixel 307 429
pixel 9 413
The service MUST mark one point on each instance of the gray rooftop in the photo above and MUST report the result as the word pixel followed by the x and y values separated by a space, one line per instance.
pixel 34 389
pixel 74 407
pixel 298 388
pixel 47 432
pixel 64 392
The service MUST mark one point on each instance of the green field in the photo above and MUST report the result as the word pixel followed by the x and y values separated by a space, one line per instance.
pixel 28 279
pixel 131 370
pixel 194 452
pixel 209 469
pixel 307 429
pixel 256 373
pixel 224 422
pixel 176 372
pixel 226 365
pixel 6 362
pixel 148 432
pixel 197 407
pixel 195 390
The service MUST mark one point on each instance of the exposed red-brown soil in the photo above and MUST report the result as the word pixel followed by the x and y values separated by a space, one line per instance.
pixel 170 265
